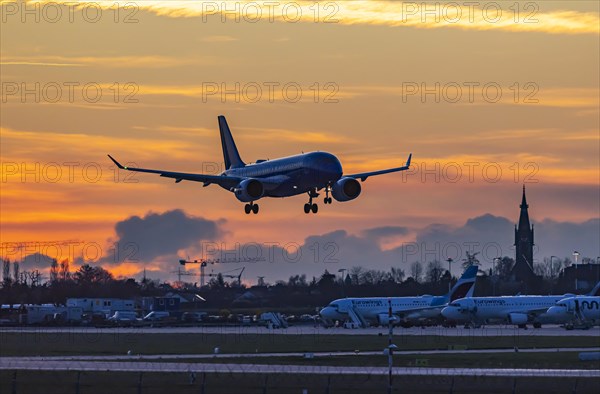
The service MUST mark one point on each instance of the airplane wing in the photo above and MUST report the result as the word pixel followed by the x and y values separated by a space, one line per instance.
pixel 364 175
pixel 222 180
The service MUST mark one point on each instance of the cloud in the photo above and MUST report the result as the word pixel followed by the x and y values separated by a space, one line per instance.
pixel 105 61
pixel 160 234
pixel 157 240
pixel 378 13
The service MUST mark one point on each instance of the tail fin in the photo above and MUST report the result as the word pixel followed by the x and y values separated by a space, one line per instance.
pixel 595 291
pixel 465 286
pixel 230 152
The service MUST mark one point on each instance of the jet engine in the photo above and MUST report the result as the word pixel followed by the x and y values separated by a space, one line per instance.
pixel 346 189
pixel 517 318
pixel 249 190
pixel 384 319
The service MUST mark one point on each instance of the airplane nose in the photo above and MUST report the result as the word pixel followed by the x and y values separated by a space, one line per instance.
pixel 327 313
pixel 556 311
pixel 450 312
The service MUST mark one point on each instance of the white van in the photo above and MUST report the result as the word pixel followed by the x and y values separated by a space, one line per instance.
pixel 123 316
pixel 156 316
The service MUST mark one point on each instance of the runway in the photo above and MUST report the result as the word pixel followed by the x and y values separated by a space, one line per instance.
pixel 487 331
pixel 12 364
pixel 138 357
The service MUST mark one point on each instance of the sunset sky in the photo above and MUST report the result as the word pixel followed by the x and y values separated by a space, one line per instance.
pixel 487 97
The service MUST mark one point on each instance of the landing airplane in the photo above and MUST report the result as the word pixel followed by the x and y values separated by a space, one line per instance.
pixel 405 309
pixel 284 177
pixel 517 310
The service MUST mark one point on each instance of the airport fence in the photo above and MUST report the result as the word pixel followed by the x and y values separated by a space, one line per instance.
pixel 159 377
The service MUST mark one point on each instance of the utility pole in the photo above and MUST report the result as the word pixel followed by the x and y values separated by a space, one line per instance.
pixel 576 255
pixel 391 346
pixel 449 260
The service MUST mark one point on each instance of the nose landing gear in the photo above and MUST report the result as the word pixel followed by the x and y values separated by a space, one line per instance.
pixel 327 199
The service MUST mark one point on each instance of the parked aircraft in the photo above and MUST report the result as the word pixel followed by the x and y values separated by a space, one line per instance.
pixel 374 310
pixel 518 310
pixel 284 177
pixel 580 311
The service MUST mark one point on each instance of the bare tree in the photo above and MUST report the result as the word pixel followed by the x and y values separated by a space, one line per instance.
pixel 6 272
pixel 397 274
pixel 470 260
pixel 356 274
pixel 16 274
pixel 54 271
pixel 434 271
pixel 65 273
pixel 416 271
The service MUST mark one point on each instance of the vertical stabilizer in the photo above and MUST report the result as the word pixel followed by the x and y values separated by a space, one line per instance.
pixel 465 285
pixel 230 153
pixel 595 291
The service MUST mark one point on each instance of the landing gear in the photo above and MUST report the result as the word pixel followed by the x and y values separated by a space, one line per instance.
pixel 310 206
pixel 252 207
pixel 327 199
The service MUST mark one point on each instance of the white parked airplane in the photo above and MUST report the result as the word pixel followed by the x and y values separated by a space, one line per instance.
pixel 582 311
pixel 518 310
pixel 374 310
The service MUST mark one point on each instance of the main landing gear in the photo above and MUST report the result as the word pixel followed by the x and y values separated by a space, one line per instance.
pixel 310 206
pixel 252 207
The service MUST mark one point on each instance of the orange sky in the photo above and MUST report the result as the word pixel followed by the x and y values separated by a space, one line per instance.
pixel 390 79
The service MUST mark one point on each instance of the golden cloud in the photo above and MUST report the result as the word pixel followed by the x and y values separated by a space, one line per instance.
pixel 454 15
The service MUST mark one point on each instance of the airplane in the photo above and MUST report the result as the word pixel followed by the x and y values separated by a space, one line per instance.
pixel 283 177
pixel 518 310
pixel 582 311
pixel 364 311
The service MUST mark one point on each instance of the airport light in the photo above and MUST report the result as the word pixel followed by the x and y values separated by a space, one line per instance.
pixel 576 255
pixel 391 347
pixel 449 260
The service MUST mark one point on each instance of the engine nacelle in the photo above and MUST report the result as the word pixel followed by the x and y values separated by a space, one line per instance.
pixel 517 318
pixel 249 190
pixel 384 319
pixel 346 189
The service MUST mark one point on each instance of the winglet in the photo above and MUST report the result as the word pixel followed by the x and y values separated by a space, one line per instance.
pixel 408 161
pixel 117 163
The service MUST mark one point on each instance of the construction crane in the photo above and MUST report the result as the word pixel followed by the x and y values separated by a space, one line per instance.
pixel 181 273
pixel 204 262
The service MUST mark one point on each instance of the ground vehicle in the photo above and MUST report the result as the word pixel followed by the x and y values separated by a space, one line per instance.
pixel 156 316
pixel 123 317
pixel 193 317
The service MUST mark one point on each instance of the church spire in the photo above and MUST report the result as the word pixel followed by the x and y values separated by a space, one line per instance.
pixel 524 200
pixel 524 216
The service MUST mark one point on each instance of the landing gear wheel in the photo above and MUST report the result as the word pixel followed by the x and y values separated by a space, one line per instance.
pixel 314 208
pixel 255 209
pixel 247 208
pixel 306 208
pixel 327 200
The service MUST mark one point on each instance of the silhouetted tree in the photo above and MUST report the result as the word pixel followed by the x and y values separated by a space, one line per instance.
pixel 416 271
pixel 434 271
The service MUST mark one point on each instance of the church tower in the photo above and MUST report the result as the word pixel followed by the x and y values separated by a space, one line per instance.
pixel 523 269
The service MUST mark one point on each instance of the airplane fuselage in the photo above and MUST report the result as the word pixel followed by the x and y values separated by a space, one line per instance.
pixel 371 309
pixel 293 175
pixel 511 309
